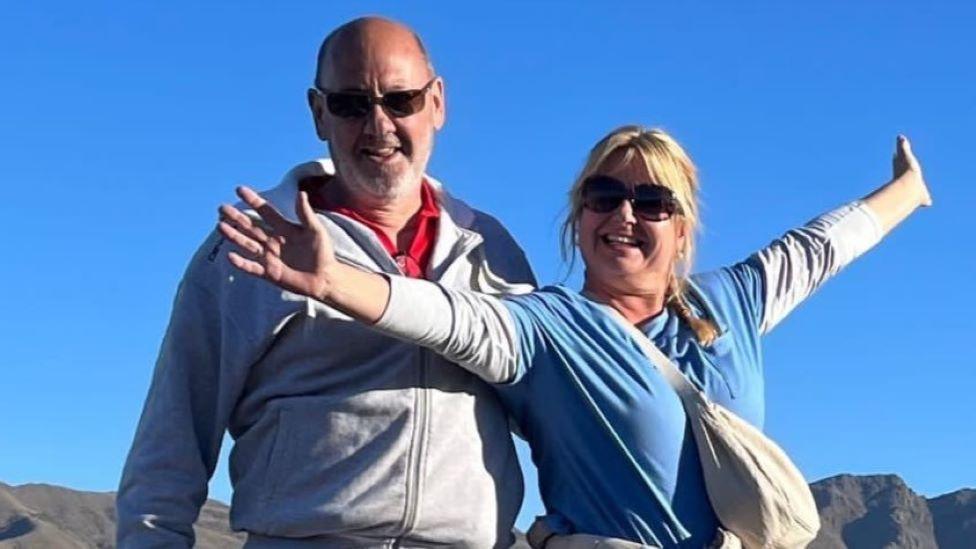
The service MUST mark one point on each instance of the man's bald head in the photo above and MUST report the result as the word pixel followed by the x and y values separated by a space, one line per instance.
pixel 357 35
pixel 378 150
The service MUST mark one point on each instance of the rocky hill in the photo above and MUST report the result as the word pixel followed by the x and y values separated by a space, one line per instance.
pixel 881 511
pixel 43 516
pixel 858 512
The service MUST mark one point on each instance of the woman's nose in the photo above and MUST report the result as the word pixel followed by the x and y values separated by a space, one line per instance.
pixel 626 211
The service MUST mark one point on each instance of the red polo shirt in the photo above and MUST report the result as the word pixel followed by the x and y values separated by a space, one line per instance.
pixel 415 258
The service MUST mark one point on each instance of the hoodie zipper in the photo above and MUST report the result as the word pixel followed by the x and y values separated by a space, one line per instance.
pixel 419 448
pixel 418 452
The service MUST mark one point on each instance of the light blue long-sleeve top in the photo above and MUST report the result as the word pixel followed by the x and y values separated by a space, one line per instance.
pixel 608 434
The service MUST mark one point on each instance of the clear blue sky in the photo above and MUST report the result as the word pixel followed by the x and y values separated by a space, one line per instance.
pixel 123 126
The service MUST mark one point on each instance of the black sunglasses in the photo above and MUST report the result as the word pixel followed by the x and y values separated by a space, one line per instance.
pixel 356 104
pixel 604 194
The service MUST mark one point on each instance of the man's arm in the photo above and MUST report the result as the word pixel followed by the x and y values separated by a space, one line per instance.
pixel 177 442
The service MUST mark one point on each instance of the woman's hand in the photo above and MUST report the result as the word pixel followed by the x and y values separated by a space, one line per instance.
pixel 297 258
pixel 905 166
pixel 894 201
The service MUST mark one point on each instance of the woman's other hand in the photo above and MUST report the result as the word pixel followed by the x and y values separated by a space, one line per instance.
pixel 894 201
pixel 905 165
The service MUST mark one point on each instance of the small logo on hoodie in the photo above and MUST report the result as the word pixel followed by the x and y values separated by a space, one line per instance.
pixel 215 251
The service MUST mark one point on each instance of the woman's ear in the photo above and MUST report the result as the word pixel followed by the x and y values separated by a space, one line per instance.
pixel 681 237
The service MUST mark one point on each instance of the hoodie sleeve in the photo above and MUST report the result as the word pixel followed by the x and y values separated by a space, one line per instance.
pixel 196 382
pixel 503 256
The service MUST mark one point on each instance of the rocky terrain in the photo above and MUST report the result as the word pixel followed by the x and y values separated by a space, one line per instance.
pixel 881 511
pixel 43 516
pixel 857 512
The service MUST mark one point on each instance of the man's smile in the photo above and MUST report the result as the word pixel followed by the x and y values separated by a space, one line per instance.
pixel 381 153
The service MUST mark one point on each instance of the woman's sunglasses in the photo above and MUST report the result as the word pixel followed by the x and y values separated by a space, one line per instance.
pixel 604 194
pixel 356 104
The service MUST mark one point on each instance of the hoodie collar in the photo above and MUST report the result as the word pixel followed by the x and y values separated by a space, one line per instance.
pixel 455 235
pixel 282 197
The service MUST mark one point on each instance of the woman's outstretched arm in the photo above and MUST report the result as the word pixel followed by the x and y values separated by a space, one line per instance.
pixel 796 264
pixel 474 330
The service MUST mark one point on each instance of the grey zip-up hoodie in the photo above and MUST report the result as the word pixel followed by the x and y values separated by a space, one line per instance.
pixel 343 436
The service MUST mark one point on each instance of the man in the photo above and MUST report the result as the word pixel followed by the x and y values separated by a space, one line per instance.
pixel 343 437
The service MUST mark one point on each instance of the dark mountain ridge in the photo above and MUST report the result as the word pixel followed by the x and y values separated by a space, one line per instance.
pixel 42 515
pixel 857 512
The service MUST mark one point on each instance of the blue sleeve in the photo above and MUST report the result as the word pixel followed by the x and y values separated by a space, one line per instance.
pixel 529 332
pixel 735 291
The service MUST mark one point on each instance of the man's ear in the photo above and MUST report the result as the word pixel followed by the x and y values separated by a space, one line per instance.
pixel 316 104
pixel 437 100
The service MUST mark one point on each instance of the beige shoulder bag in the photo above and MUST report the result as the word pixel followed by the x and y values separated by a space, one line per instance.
pixel 756 491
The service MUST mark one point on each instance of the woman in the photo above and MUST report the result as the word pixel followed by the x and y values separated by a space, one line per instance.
pixel 608 434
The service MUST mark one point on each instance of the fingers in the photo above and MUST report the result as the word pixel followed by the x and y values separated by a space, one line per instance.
pixel 243 241
pixel 242 222
pixel 902 148
pixel 906 165
pixel 247 265
pixel 250 197
pixel 903 143
pixel 903 160
pixel 905 148
pixel 257 259
pixel 268 213
pixel 305 212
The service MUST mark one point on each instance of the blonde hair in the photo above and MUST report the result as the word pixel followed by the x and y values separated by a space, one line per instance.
pixel 668 165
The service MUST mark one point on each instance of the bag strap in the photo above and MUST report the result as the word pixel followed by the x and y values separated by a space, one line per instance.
pixel 689 393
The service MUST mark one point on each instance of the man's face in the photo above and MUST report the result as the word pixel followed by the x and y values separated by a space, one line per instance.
pixel 379 154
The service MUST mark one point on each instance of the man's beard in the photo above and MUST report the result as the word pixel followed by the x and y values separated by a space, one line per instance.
pixel 382 186
pixel 385 187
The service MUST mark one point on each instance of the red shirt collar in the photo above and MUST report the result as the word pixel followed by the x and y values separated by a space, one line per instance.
pixel 414 261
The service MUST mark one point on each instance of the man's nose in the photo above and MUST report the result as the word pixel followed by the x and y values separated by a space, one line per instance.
pixel 378 122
